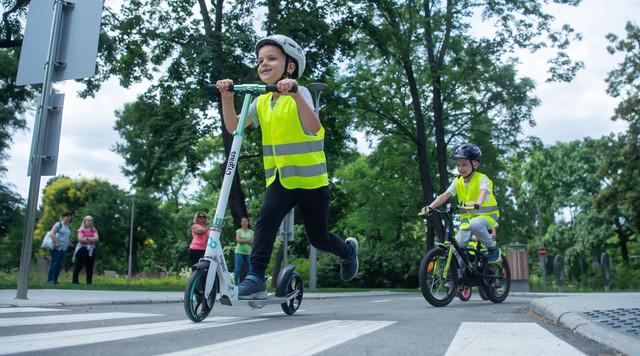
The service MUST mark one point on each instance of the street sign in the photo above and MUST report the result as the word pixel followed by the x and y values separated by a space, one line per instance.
pixel 75 56
pixel 542 251
pixel 52 139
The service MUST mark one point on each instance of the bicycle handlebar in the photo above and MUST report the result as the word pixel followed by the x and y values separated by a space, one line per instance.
pixel 449 211
pixel 249 88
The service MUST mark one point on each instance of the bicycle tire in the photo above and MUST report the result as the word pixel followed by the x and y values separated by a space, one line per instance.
pixel 483 295
pixel 196 306
pixel 498 283
pixel 431 279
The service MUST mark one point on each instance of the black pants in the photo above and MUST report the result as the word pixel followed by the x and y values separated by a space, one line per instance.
pixel 83 259
pixel 314 207
pixel 195 256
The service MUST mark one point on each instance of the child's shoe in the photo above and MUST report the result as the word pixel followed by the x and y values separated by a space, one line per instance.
pixel 494 255
pixel 349 266
pixel 252 287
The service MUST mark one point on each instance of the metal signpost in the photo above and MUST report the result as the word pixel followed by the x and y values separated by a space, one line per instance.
pixel 543 266
pixel 61 37
pixel 558 269
pixel 605 264
pixel 316 90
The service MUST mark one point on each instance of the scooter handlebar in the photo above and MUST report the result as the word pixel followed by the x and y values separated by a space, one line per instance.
pixel 249 88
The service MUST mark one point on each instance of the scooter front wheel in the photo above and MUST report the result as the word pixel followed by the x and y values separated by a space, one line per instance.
pixel 294 284
pixel 196 305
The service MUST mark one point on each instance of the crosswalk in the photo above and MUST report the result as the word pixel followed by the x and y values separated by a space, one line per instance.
pixel 316 337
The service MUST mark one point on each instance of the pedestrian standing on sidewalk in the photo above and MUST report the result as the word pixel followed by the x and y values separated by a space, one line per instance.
pixel 85 255
pixel 244 240
pixel 59 233
pixel 199 237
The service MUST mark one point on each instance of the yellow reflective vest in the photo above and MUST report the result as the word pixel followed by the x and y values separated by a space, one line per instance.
pixel 488 209
pixel 288 152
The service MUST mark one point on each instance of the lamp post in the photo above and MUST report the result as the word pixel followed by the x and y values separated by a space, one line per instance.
pixel 133 209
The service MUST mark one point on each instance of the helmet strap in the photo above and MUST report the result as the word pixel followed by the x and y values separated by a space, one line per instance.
pixel 473 169
pixel 285 75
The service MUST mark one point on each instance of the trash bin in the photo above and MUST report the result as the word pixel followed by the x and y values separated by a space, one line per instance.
pixel 519 263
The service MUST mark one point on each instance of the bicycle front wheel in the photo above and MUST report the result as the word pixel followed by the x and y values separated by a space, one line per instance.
pixel 437 288
pixel 196 305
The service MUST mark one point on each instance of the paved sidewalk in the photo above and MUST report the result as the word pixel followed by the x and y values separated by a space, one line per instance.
pixel 612 319
pixel 72 297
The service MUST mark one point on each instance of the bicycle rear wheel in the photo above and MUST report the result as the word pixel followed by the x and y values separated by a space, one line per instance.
pixel 497 281
pixel 196 305
pixel 438 289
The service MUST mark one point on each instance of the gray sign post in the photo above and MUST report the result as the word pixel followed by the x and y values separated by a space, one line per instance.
pixel 316 90
pixel 60 36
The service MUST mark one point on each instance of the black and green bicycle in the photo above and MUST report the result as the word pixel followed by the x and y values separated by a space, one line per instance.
pixel 439 278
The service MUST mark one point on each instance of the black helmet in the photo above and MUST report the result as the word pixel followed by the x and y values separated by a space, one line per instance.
pixel 468 151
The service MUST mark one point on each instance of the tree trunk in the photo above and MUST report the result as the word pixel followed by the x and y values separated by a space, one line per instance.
pixel 421 150
pixel 623 237
pixel 436 65
pixel 237 204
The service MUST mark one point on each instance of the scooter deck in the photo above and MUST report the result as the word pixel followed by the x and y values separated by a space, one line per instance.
pixel 260 303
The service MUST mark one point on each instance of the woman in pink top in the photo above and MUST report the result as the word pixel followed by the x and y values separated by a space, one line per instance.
pixel 199 237
pixel 86 254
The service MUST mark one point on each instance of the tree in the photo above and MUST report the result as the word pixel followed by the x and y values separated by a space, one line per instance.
pixel 110 208
pixel 427 79
pixel 14 100
pixel 621 165
pixel 11 221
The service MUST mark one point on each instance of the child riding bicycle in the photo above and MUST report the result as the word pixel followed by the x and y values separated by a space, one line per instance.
pixel 294 161
pixel 473 189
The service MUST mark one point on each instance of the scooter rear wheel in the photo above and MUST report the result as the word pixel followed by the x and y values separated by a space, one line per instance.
pixel 196 305
pixel 294 284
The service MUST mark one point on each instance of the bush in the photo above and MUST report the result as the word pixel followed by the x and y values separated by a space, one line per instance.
pixel 380 267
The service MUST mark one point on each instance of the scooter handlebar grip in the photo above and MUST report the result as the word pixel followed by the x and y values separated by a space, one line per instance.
pixel 274 88
pixel 213 89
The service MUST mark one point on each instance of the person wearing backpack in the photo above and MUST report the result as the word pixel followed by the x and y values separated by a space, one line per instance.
pixel 59 233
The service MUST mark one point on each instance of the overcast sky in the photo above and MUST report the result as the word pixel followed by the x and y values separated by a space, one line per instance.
pixel 568 111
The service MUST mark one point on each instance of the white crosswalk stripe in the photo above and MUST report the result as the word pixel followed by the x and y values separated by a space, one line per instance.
pixel 58 339
pixel 280 312
pixel 28 310
pixel 521 339
pixel 304 340
pixel 68 318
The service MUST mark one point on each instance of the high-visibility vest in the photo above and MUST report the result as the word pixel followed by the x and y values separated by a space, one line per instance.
pixel 288 152
pixel 488 209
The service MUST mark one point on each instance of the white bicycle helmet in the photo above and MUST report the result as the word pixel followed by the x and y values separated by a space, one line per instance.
pixel 290 48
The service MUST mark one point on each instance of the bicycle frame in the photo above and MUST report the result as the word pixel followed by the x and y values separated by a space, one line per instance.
pixel 450 241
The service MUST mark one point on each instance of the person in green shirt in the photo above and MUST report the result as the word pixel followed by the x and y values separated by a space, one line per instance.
pixel 244 239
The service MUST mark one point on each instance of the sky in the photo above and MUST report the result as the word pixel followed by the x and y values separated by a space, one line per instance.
pixel 568 111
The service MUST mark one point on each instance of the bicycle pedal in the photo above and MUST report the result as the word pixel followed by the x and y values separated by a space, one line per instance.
pixel 225 300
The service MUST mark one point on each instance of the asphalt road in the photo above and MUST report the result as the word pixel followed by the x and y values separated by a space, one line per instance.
pixel 391 325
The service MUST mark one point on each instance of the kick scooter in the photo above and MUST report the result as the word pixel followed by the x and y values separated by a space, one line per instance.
pixel 211 276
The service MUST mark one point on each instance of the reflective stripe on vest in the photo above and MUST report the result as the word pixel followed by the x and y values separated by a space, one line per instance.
pixel 293 148
pixel 488 209
pixel 297 158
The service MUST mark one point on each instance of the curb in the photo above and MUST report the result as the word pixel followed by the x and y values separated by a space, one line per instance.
pixel 575 322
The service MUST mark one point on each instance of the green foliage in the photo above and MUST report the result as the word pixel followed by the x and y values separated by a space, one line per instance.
pixel 381 265
pixel 14 101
